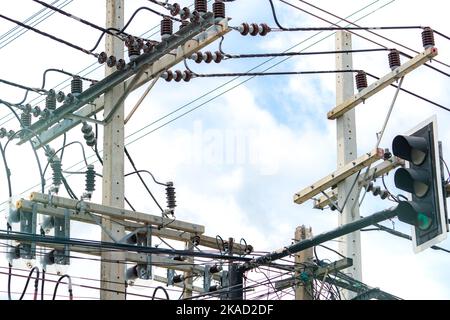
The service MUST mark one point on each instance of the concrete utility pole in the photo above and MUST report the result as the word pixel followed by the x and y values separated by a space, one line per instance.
pixel 113 273
pixel 350 244
pixel 303 259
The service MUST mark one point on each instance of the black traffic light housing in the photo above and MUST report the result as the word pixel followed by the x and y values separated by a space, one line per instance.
pixel 423 179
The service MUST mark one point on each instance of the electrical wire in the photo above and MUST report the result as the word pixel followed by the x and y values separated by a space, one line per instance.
pixel 69 284
pixel 142 179
pixel 47 35
pixel 370 31
pixel 160 288
pixel 44 75
pixel 335 28
pixel 35 283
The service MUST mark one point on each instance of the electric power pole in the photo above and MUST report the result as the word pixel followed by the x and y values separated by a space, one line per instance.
pixel 112 266
pixel 303 261
pixel 350 244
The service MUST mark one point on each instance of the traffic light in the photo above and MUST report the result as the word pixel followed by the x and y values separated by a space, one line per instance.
pixel 422 178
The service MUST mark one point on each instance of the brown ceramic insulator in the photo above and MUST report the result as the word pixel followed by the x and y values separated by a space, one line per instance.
pixel 184 24
pixel 166 27
pixel 255 30
pixel 264 29
pixel 129 41
pixel 150 46
pixel 208 57
pixel 102 57
pixel 120 64
pixel 394 59
pixel 199 57
pixel 187 75
pixel 185 13
pixel 133 52
pixel 428 38
pixel 361 80
pixel 178 76
pixel 111 62
pixel 140 43
pixel 175 9
pixel 218 57
pixel 195 17
pixel 169 75
pixel 245 29
pixel 219 9
pixel 201 6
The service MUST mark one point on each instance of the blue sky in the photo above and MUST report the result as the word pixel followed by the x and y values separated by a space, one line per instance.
pixel 238 160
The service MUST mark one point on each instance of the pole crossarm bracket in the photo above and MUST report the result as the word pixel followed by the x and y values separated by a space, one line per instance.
pixel 320 271
pixel 117 213
pixel 338 176
pixel 166 54
pixel 385 81
pixel 376 172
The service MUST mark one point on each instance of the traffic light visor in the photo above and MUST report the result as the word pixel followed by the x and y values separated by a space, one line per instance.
pixel 412 180
pixel 410 148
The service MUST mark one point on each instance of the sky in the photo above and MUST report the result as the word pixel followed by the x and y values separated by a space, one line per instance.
pixel 238 158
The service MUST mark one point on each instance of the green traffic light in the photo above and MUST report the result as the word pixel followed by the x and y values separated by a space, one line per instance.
pixel 424 221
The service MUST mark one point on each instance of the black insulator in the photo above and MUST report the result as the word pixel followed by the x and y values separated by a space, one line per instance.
pixel 219 9
pixel 248 249
pixel 102 57
pixel 184 24
pixel 178 76
pixel 179 258
pixel 218 57
pixel 166 28
pixel 187 76
pixel 361 80
pixel 214 288
pixel 11 133
pixel 120 65
pixel 244 29
pixel 111 62
pixel 150 46
pixel 254 29
pixel 208 57
pixel 185 13
pixel 384 194
pixel 394 59
pixel 3 132
pixel 170 195
pixel 90 179
pixel 36 111
pixel 57 172
pixel 134 51
pixel 215 268
pixel 175 9
pixel 69 98
pixel 264 29
pixel 139 43
pixel 129 41
pixel 88 134
pixel 61 96
pixel 201 6
pixel 195 240
pixel 45 113
pixel 50 100
pixel 25 119
pixel 76 85
pixel 369 187
pixel 428 38
pixel 376 191
pixel 178 278
pixel 196 17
